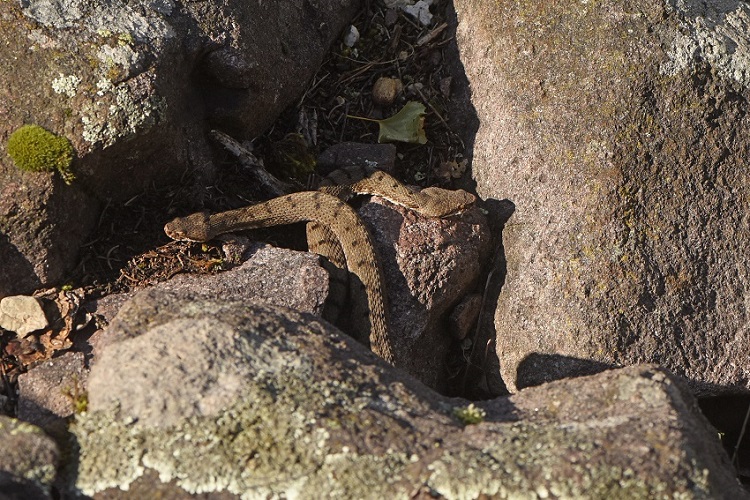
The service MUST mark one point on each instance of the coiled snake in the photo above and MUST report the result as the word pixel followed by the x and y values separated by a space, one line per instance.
pixel 337 231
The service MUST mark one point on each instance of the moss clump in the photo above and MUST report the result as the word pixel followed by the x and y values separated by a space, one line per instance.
pixel 469 415
pixel 35 149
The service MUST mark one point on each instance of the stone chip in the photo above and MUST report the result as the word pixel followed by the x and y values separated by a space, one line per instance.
pixel 22 314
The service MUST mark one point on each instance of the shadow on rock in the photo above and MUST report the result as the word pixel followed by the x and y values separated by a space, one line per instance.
pixel 16 272
pixel 481 377
pixel 537 369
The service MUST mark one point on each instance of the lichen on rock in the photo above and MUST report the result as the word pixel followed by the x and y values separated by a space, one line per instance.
pixel 35 149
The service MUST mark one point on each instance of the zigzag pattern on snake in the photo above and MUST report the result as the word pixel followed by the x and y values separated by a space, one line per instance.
pixel 338 233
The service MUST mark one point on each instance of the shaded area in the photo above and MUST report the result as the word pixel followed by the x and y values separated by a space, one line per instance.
pixel 731 417
pixel 537 369
pixel 479 377
pixel 16 488
pixel 15 269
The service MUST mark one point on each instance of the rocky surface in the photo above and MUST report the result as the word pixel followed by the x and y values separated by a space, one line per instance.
pixel 429 265
pixel 28 463
pixel 53 391
pixel 268 275
pixel 619 132
pixel 134 87
pixel 246 400
pixel 198 389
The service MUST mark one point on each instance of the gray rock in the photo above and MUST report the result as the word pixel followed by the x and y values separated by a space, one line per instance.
pixel 620 131
pixel 269 275
pixel 22 314
pixel 307 412
pixel 429 265
pixel 134 86
pixel 52 391
pixel 272 275
pixel 108 306
pixel 28 462
pixel 714 32
pixel 208 367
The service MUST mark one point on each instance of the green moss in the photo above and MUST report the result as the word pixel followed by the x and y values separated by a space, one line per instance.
pixel 35 149
pixel 469 415
pixel 77 395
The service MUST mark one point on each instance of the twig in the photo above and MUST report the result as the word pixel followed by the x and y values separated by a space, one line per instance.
pixel 254 166
pixel 742 434
pixel 431 35
pixel 433 109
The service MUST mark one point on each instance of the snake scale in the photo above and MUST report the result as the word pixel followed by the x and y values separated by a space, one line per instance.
pixel 336 231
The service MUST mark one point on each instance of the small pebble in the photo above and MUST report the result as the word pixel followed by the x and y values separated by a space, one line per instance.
pixel 352 37
pixel 385 91
pixel 22 314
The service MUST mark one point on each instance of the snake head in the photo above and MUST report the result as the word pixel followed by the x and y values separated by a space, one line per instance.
pixel 194 227
pixel 441 202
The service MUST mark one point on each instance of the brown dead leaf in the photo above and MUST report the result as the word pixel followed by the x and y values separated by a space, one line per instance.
pixel 61 308
pixel 449 170
pixel 27 351
pixel 54 341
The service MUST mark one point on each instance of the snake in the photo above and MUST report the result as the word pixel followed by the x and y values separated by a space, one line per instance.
pixel 337 230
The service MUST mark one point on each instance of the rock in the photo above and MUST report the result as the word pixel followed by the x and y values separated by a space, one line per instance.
pixel 134 87
pixel 620 132
pixel 269 275
pixel 235 398
pixel 28 462
pixel 429 265
pixel 108 306
pixel 42 222
pixel 274 275
pixel 464 316
pixel 266 64
pixel 385 90
pixel 51 392
pixel 22 314
pixel 206 373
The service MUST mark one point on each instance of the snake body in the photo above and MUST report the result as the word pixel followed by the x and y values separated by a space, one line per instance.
pixel 347 182
pixel 336 231
pixel 430 202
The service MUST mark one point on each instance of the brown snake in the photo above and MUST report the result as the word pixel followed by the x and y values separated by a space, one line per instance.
pixel 350 246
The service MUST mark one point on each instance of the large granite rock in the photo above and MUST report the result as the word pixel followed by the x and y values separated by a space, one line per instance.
pixel 238 399
pixel 620 132
pixel 134 86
